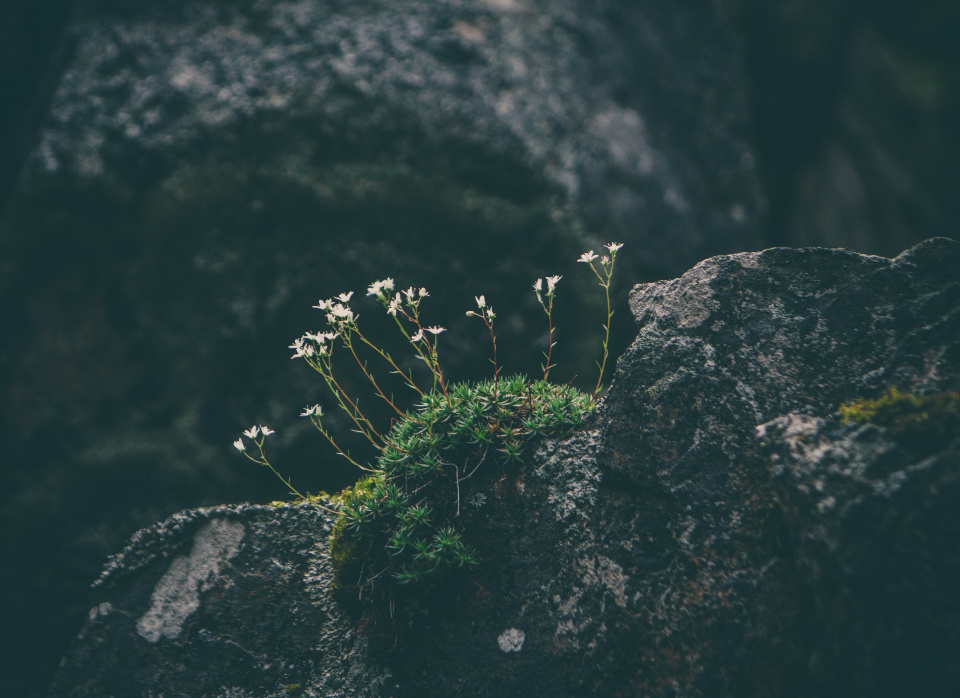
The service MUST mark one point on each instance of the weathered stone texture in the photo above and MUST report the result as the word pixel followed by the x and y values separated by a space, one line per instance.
pixel 668 548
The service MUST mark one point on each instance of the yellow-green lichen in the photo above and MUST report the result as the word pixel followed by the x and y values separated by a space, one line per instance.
pixel 922 424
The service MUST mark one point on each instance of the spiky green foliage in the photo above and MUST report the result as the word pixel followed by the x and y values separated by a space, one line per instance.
pixel 402 522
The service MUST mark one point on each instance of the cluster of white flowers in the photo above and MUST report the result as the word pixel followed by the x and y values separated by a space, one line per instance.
pixel 339 314
pixel 381 289
pixel 314 411
pixel 551 287
pixel 486 311
pixel 612 247
pixel 310 344
pixel 252 433
pixel 435 330
pixel 316 348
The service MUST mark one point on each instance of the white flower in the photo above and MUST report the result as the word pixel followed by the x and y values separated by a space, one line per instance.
pixel 267 430
pixel 394 306
pixel 423 292
pixel 614 246
pixel 323 304
pixel 538 286
pixel 552 283
pixel 410 293
pixel 417 337
pixel 380 288
pixel 481 301
pixel 345 297
pixel 303 349
pixel 436 330
pixel 314 411
pixel 238 444
pixel 339 314
pixel 588 257
pixel 252 432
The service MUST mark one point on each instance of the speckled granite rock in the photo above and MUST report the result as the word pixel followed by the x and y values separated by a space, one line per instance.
pixel 208 169
pixel 659 551
pixel 615 108
pixel 173 596
pixel 876 528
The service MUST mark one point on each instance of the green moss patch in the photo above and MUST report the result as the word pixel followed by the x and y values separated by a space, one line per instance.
pixel 402 523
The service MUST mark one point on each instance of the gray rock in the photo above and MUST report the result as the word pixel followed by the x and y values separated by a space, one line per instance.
pixel 172 593
pixel 661 550
pixel 615 109
pixel 208 170
pixel 875 530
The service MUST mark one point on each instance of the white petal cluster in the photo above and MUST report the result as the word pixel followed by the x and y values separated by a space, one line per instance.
pixel 314 411
pixel 381 288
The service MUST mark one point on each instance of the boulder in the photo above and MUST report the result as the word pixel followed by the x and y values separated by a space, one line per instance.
pixel 206 170
pixel 668 547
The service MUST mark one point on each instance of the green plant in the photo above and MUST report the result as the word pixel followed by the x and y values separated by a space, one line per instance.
pixel 401 520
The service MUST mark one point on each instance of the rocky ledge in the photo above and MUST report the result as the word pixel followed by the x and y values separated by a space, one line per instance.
pixel 713 530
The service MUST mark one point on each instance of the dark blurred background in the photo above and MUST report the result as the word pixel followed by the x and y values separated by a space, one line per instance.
pixel 180 182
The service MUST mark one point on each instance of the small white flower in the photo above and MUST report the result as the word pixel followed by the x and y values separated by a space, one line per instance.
pixel 302 348
pixel 614 246
pixel 323 304
pixel 552 283
pixel 436 330
pixel 380 288
pixel 538 286
pixel 394 306
pixel 252 432
pixel 314 411
pixel 604 261
pixel 267 431
pixel 588 257
pixel 339 314
pixel 410 293
pixel 417 337
pixel 238 444
pixel 345 297
pixel 481 301
pixel 423 292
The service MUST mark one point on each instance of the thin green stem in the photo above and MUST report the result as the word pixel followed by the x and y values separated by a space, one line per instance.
pixel 263 461
pixel 363 367
pixel 389 359
pixel 606 339
pixel 326 434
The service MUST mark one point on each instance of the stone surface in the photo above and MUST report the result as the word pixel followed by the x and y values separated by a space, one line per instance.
pixel 172 593
pixel 208 169
pixel 667 548
pixel 876 531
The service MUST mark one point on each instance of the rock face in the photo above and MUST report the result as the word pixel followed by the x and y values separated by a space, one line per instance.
pixel 208 169
pixel 670 547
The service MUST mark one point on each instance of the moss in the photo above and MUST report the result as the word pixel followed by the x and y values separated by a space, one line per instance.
pixel 921 424
pixel 401 524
